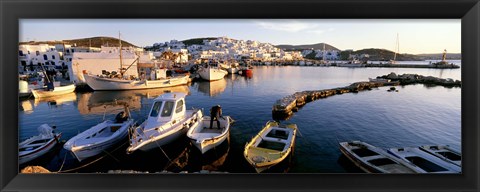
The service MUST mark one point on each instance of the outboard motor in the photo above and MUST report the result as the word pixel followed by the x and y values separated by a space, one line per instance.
pixel 44 129
pixel 121 117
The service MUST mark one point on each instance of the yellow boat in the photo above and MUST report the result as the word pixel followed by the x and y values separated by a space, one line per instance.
pixel 271 146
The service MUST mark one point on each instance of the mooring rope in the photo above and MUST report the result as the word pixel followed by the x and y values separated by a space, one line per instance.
pixel 73 169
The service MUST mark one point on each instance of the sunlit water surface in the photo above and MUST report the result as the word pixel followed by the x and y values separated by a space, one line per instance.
pixel 416 115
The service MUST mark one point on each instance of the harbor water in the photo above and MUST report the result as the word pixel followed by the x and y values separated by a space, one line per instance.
pixel 415 115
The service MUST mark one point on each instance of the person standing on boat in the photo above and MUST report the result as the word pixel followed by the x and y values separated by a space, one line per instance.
pixel 215 114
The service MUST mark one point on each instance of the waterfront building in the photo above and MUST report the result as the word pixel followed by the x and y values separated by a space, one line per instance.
pixel 106 60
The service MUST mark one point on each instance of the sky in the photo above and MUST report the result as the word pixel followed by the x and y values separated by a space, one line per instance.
pixel 416 36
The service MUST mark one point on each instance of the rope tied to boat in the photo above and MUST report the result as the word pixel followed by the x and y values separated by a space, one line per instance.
pixel 85 165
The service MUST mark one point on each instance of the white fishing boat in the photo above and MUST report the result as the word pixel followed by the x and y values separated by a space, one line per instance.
pixel 233 70
pixel 271 146
pixel 38 145
pixel 374 160
pixel 231 67
pixel 97 82
pixel 444 152
pixel 205 137
pixel 211 73
pixel 100 137
pixel 352 63
pixel 156 79
pixel 56 91
pixel 424 162
pixel 167 121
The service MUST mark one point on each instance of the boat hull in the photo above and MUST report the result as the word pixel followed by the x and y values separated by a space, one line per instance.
pixel 166 139
pixel 62 90
pixel 261 158
pixel 27 157
pixel 232 70
pixel 424 161
pixel 156 141
pixel 211 141
pixel 101 84
pixel 206 146
pixel 211 74
pixel 82 152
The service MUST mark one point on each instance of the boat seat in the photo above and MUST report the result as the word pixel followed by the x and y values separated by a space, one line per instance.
pixel 114 128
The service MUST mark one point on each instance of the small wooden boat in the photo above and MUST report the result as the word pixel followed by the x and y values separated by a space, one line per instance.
pixel 271 146
pixel 168 120
pixel 424 162
pixel 444 152
pixel 38 145
pixel 205 137
pixel 374 160
pixel 100 137
pixel 57 90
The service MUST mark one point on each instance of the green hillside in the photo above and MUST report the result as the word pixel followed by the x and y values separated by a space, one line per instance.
pixel 318 46
pixel 380 55
pixel 86 42
pixel 197 41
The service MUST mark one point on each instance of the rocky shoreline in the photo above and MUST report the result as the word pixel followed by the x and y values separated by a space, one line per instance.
pixel 284 108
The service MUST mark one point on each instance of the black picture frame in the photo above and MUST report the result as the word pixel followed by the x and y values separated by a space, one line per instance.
pixel 467 10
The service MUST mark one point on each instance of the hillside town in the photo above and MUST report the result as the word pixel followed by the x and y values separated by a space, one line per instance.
pixel 73 61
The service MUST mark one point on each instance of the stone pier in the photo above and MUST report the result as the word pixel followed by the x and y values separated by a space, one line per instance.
pixel 284 107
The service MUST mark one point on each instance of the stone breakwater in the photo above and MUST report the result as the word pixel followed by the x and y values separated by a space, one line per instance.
pixel 284 108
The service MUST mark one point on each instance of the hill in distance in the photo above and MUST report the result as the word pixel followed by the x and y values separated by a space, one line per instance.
pixel 85 42
pixel 318 46
pixel 381 55
pixel 438 56
pixel 197 41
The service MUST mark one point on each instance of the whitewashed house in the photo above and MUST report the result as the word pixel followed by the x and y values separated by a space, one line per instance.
pixel 95 62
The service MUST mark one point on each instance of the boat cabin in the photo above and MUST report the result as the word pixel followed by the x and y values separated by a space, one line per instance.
pixel 169 107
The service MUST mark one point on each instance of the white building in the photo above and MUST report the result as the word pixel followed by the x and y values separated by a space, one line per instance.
pixel 96 62
pixel 34 55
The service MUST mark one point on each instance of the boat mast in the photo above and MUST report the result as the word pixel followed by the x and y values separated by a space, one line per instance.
pixel 120 50
pixel 397 48
pixel 323 57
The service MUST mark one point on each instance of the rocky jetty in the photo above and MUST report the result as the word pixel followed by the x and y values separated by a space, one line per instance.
pixel 284 107
pixel 407 79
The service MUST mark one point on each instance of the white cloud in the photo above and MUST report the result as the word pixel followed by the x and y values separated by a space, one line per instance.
pixel 293 26
pixel 316 31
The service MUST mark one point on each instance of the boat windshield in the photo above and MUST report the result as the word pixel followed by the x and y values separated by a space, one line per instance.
pixel 156 109
pixel 167 109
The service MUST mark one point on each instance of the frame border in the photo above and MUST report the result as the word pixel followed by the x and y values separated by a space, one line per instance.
pixel 11 11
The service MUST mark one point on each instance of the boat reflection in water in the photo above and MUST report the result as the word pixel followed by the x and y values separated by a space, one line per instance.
pixel 214 159
pixel 57 100
pixel 212 88
pixel 95 102
pixel 191 160
pixel 26 106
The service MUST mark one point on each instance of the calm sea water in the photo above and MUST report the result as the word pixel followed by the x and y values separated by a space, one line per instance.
pixel 416 115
